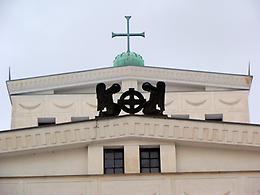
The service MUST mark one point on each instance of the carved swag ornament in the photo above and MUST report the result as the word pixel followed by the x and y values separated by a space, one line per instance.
pixel 130 101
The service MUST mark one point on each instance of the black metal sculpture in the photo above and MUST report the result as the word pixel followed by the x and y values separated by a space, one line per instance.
pixel 105 100
pixel 156 98
pixel 131 105
pixel 130 101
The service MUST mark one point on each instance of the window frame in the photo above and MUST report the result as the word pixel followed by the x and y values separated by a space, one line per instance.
pixel 113 167
pixel 149 158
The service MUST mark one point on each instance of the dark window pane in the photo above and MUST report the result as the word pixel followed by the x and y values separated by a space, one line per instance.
pixel 109 171
pixel 113 161
pixel 145 163
pixel 154 154
pixel 150 160
pixel 109 155
pixel 109 163
pixel 118 163
pixel 119 170
pixel 155 163
pixel 119 155
pixel 145 170
pixel 154 170
pixel 144 154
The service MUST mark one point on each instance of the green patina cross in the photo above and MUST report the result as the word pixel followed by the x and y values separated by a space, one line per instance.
pixel 128 34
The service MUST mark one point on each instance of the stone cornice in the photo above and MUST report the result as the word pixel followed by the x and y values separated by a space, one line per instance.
pixel 164 129
pixel 128 72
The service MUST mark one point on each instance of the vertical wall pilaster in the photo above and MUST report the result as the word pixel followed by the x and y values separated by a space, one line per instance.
pixel 95 160
pixel 131 158
pixel 168 158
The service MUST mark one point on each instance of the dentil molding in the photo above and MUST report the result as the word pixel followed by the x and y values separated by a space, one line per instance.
pixel 164 129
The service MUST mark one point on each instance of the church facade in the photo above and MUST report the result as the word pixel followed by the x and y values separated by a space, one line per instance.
pixel 202 144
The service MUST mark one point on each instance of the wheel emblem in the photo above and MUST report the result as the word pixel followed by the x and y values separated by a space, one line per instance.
pixel 134 103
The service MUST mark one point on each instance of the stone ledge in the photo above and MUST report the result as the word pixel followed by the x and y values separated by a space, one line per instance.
pixel 190 131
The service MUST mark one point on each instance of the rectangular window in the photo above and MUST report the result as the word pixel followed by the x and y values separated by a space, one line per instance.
pixel 214 117
pixel 150 160
pixel 46 121
pixel 180 116
pixel 78 119
pixel 113 161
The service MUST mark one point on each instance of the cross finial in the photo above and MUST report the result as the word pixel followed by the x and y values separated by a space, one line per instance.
pixel 128 34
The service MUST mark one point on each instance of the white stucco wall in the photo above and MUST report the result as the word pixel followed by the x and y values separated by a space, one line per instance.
pixel 89 160
pixel 212 171
pixel 247 183
pixel 52 162
pixel 26 109
pixel 204 159
pixel 197 158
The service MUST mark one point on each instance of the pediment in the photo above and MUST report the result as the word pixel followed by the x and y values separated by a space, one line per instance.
pixel 85 81
pixel 127 128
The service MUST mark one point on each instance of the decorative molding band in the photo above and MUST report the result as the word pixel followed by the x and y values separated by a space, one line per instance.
pixel 63 106
pixel 230 103
pixel 224 134
pixel 196 103
pixel 29 107
pixel 128 72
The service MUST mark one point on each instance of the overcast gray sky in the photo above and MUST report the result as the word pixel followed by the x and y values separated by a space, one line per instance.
pixel 53 36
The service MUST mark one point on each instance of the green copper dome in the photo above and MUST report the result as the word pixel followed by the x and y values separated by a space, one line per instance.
pixel 128 59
